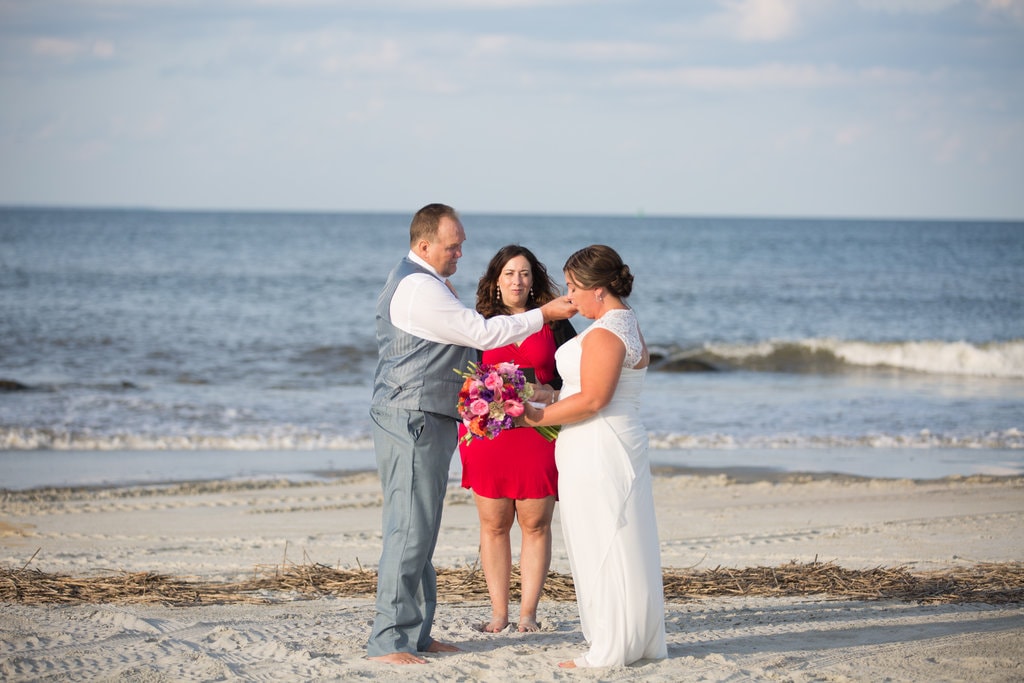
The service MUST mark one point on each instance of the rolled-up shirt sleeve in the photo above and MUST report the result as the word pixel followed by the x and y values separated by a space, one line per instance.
pixel 423 306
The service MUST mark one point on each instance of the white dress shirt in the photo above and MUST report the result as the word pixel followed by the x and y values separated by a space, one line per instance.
pixel 424 306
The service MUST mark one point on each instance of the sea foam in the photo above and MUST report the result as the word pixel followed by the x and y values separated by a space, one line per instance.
pixel 16 439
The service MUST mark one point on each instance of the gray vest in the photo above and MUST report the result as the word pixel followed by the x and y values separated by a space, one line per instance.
pixel 413 373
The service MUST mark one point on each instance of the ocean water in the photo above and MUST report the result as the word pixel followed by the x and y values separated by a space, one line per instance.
pixel 845 345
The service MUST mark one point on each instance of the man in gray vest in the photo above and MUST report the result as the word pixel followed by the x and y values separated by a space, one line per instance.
pixel 423 334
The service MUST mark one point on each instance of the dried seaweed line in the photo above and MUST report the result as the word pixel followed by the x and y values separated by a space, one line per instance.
pixel 991 583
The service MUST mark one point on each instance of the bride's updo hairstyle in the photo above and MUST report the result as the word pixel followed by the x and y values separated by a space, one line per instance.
pixel 600 266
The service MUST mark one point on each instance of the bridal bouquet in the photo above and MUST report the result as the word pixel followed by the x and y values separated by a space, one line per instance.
pixel 491 398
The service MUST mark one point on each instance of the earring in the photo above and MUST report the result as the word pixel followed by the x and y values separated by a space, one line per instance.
pixel 497 293
pixel 531 292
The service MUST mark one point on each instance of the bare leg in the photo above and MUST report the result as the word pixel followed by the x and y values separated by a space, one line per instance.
pixel 496 516
pixel 534 516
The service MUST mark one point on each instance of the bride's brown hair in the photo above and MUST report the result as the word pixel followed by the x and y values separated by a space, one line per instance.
pixel 600 266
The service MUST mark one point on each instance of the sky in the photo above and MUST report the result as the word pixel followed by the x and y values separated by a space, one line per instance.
pixel 816 108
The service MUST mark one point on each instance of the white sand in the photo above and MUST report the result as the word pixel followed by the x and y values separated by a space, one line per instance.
pixel 228 531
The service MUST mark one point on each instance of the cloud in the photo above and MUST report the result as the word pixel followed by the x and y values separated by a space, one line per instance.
pixel 55 47
pixel 849 135
pixel 1012 8
pixel 69 50
pixel 103 49
pixel 764 76
pixel 908 6
pixel 417 5
pixel 383 55
pixel 945 146
pixel 761 20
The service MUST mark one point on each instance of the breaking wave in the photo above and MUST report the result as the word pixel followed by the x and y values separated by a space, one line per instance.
pixel 822 356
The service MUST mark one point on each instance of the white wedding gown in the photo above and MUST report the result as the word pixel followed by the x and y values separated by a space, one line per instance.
pixel 607 509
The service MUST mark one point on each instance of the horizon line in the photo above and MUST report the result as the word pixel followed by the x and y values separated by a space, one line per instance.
pixel 524 213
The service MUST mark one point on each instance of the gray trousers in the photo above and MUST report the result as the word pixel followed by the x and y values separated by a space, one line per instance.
pixel 414 451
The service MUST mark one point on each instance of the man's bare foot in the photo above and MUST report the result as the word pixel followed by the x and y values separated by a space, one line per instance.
pixel 438 646
pixel 399 658
pixel 528 625
pixel 495 625
pixel 567 665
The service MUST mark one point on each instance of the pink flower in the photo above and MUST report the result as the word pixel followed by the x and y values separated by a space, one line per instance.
pixel 508 369
pixel 493 381
pixel 513 408
pixel 479 407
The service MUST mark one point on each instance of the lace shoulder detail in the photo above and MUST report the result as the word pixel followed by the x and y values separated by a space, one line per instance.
pixel 623 324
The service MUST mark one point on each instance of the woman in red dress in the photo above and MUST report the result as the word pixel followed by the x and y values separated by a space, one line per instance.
pixel 513 476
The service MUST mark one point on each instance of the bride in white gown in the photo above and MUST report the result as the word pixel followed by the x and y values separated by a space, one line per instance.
pixel 604 476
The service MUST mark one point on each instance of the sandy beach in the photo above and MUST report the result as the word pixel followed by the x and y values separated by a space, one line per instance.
pixel 229 531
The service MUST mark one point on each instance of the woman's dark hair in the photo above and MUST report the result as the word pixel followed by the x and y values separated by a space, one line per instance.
pixel 487 302
pixel 600 266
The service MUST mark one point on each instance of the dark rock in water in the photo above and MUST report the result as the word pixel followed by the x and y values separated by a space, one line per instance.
pixel 684 365
pixel 13 385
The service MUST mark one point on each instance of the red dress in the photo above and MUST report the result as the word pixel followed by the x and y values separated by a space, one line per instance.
pixel 518 463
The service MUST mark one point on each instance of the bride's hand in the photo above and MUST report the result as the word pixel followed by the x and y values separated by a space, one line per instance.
pixel 531 414
pixel 543 393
